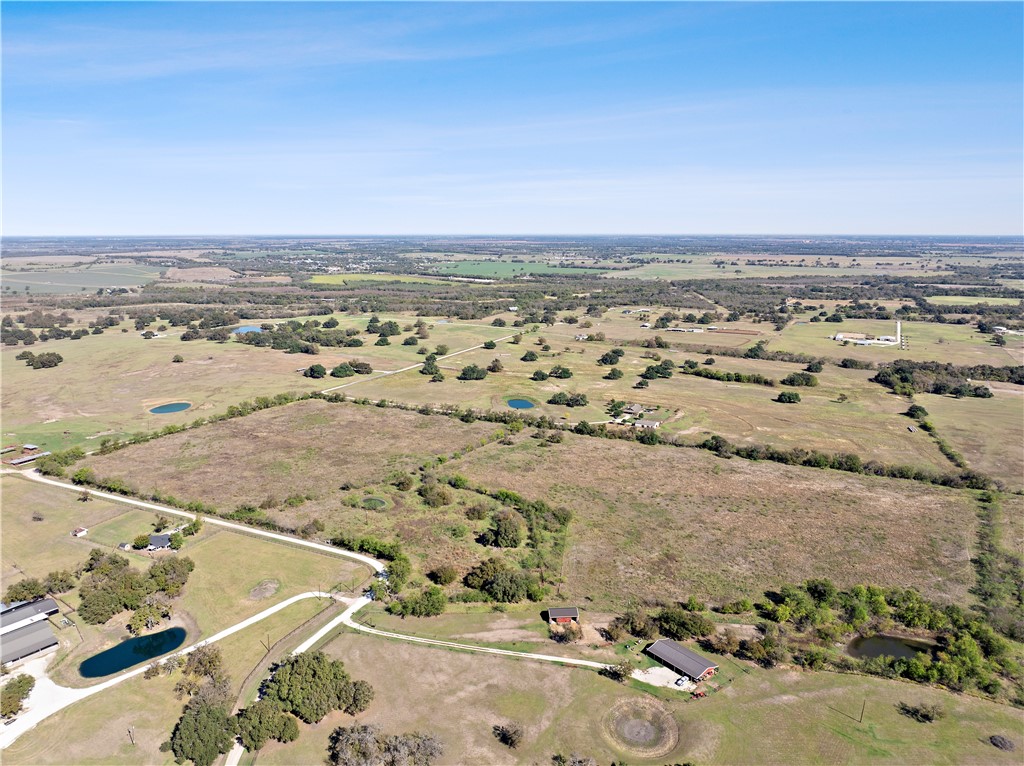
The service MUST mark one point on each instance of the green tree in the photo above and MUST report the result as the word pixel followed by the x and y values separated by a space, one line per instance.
pixel 141 542
pixel 539 375
pixel 14 693
pixel 262 721
pixel 529 356
pixel 315 371
pixel 506 531
pixel 490 345
pixel 203 732
pixel 343 370
pixel 495 366
pixel 310 685
pixel 614 374
pixel 472 372
pixel 788 397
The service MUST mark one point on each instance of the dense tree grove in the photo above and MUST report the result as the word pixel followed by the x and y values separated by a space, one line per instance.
pixel 110 585
pixel 310 685
pixel 13 694
pixel 908 377
pixel 369 746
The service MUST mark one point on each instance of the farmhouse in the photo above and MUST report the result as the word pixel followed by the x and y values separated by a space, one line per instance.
pixel 563 615
pixel 80 532
pixel 159 543
pixel 634 410
pixel 680 659
pixel 642 423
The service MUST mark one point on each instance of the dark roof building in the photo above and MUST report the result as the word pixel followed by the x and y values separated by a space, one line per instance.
pixel 15 617
pixel 26 641
pixel 156 542
pixel 681 659
pixel 563 614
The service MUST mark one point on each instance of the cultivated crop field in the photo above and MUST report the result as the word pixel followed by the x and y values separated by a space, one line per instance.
pixel 307 448
pixel 662 523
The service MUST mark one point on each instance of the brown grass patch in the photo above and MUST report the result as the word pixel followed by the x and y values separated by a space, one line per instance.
pixel 661 522
pixel 308 448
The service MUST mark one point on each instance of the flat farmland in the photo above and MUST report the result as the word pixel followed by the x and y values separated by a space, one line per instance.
pixel 970 300
pixel 660 523
pixel 702 266
pixel 82 279
pixel 958 344
pixel 307 448
pixel 507 269
pixel 989 433
pixel 107 384
pixel 869 423
pixel 361 277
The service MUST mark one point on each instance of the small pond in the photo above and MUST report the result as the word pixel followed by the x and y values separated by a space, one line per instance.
pixel 174 407
pixel 520 404
pixel 374 503
pixel 132 652
pixel 247 328
pixel 163 409
pixel 892 646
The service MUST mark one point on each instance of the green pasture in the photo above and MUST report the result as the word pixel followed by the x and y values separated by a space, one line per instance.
pixel 507 269
pixel 360 277
pixel 970 300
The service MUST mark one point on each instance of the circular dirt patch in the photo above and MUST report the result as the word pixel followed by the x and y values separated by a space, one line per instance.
pixel 374 503
pixel 265 589
pixel 641 727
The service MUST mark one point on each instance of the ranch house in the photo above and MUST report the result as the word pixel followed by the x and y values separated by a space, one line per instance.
pixel 563 615
pixel 680 659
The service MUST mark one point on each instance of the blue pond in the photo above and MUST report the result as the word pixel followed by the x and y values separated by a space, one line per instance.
pixel 890 646
pixel 132 652
pixel 163 409
pixel 247 328
pixel 520 404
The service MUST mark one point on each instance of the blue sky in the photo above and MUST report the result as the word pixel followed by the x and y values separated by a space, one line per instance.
pixel 393 118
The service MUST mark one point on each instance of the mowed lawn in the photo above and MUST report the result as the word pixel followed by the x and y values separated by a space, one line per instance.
pixel 223 588
pixel 761 716
pixel 36 548
pixel 310 447
pixel 989 433
pixel 662 523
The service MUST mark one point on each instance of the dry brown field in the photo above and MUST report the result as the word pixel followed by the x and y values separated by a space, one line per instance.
pixel 666 522
pixel 310 447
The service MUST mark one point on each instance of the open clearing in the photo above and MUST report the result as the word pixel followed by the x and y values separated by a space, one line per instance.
pixel 345 279
pixel 970 300
pixel 989 433
pixel 761 717
pixel 506 269
pixel 958 344
pixel 36 548
pixel 662 523
pixel 83 279
pixel 307 448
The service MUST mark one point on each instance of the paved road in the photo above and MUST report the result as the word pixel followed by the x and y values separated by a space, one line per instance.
pixel 48 698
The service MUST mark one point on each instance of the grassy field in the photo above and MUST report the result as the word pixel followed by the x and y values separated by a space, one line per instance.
pixel 745 267
pixel 95 731
pixel 664 522
pixel 759 717
pixel 987 432
pixel 970 300
pixel 348 279
pixel 959 344
pixel 306 448
pixel 507 269
pixel 868 423
pixel 83 279
pixel 35 548
pixel 108 382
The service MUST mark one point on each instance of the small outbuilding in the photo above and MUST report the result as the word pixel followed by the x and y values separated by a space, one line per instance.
pixel 563 615
pixel 686 663
pixel 642 423
pixel 80 532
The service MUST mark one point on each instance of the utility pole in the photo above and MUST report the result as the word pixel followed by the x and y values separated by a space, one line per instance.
pixel 131 734
pixel 863 705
